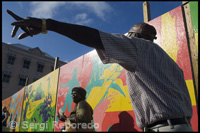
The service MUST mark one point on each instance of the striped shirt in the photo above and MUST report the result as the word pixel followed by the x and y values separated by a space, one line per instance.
pixel 156 84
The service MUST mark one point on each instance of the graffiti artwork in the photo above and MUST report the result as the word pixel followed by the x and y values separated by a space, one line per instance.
pixel 39 104
pixel 105 85
pixel 34 108
pixel 7 102
pixel 15 110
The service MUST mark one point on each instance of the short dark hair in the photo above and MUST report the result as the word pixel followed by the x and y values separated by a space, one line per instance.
pixel 143 30
pixel 4 107
pixel 81 91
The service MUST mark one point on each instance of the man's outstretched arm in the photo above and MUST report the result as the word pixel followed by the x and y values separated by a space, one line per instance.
pixel 33 26
pixel 82 34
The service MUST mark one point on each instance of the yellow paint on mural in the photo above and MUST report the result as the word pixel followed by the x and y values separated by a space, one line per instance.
pixel 54 101
pixel 12 109
pixel 30 130
pixel 32 107
pixel 112 72
pixel 190 86
pixel 13 101
pixel 196 39
pixel 109 75
pixel 168 33
pixel 97 93
pixel 18 124
pixel 117 101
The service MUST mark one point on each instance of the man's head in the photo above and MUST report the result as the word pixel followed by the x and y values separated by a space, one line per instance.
pixel 4 109
pixel 143 30
pixel 78 94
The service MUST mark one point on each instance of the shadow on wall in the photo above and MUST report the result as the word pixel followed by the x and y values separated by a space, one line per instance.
pixel 126 124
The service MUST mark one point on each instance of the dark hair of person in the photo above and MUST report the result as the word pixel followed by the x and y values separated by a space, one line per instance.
pixel 80 91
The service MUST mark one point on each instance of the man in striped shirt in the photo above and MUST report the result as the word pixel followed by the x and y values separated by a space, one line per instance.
pixel 156 84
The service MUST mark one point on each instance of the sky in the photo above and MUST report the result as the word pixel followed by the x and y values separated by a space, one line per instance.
pixel 107 16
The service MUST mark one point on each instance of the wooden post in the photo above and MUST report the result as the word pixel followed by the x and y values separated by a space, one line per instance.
pixel 56 63
pixel 146 12
pixel 191 45
pixel 26 83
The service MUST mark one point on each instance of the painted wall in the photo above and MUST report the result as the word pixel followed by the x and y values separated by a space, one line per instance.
pixel 106 86
pixel 16 110
pixel 39 104
pixel 6 102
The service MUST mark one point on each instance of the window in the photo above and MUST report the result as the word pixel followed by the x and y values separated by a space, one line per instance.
pixel 6 78
pixel 22 81
pixel 26 64
pixel 11 60
pixel 40 68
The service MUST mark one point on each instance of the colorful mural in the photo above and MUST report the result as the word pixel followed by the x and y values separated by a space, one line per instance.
pixel 7 102
pixel 15 110
pixel 70 76
pixel 106 87
pixel 39 104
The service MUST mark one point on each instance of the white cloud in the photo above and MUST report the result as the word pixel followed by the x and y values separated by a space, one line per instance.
pixel 98 8
pixel 82 19
pixel 45 9
pixel 49 9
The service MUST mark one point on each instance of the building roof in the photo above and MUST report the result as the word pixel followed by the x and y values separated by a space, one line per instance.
pixel 27 48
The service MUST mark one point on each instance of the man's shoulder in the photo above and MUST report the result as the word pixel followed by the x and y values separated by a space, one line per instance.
pixel 83 103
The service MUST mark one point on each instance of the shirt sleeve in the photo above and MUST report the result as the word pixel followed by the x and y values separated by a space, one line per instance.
pixel 118 48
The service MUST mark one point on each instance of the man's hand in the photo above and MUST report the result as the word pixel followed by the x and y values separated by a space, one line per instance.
pixel 30 26
pixel 61 117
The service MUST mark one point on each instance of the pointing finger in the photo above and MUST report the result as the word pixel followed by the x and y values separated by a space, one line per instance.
pixel 26 30
pixel 14 31
pixel 14 15
pixel 23 35
pixel 21 23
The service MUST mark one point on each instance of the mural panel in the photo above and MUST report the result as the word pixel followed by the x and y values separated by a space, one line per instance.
pixel 16 109
pixel 39 104
pixel 106 86
pixel 70 76
pixel 108 94
pixel 7 102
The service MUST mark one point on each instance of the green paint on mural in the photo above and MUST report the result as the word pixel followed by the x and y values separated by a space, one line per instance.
pixel 71 83
pixel 194 14
pixel 42 116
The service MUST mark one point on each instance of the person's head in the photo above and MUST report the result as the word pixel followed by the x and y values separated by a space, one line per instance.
pixel 143 30
pixel 78 94
pixel 4 109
